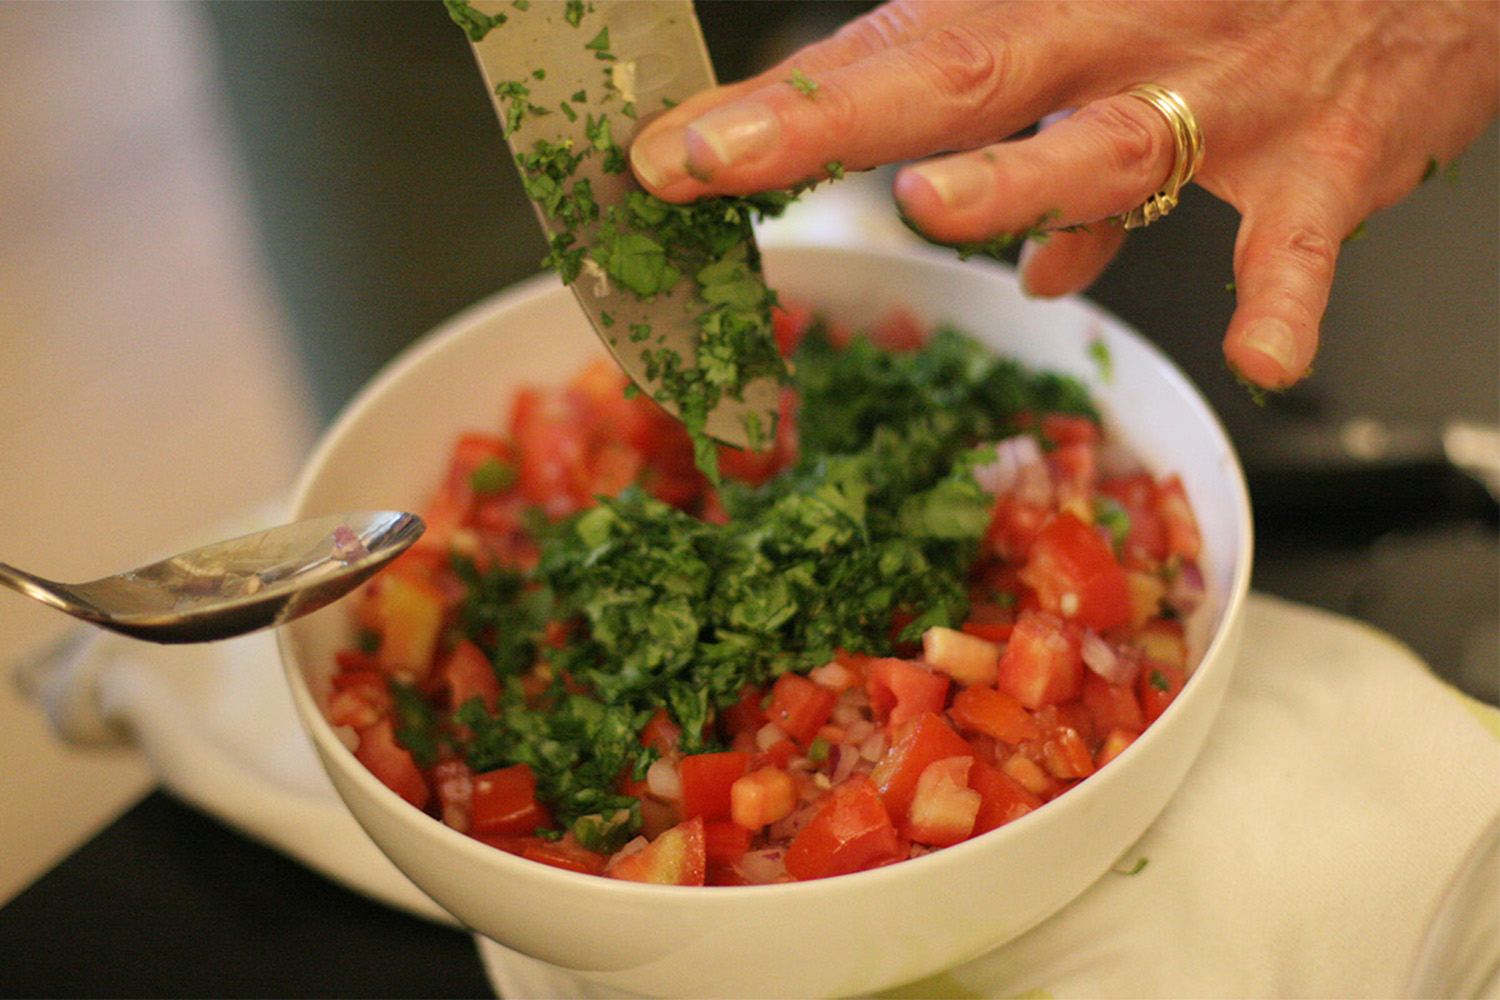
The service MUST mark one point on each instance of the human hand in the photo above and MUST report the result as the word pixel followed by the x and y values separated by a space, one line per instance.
pixel 1315 115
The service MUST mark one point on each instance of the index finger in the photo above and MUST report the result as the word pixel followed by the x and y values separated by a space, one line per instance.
pixel 945 77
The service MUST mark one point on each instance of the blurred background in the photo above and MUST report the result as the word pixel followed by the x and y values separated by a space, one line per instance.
pixel 219 219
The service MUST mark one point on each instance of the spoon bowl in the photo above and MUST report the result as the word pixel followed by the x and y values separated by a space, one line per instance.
pixel 236 586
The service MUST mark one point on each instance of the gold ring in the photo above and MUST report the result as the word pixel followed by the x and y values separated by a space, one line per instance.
pixel 1187 140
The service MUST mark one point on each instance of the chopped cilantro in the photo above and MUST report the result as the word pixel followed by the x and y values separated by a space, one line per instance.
pixel 1099 352
pixel 599 44
pixel 805 86
pixel 574 10
pixel 835 170
pixel 1135 869
pixel 1158 680
pixel 416 724
pixel 475 23
pixel 493 476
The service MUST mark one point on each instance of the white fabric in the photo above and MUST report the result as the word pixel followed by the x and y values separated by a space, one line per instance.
pixel 1306 854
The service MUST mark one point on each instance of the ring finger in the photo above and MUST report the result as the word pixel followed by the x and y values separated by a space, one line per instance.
pixel 1098 163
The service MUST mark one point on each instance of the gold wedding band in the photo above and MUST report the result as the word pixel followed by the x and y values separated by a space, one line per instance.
pixel 1187 141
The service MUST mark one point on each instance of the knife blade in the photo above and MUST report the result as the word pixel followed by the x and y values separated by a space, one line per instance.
pixel 572 83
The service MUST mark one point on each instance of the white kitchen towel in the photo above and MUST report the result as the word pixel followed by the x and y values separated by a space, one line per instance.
pixel 1306 855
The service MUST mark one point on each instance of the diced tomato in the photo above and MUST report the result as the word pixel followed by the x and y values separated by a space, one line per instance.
pixel 748 465
pixel 799 707
pixel 1164 641
pixel 410 611
pixel 994 713
pixel 452 505
pixel 677 857
pixel 1014 526
pixel 360 698
pixel 966 658
pixel 943 807
pixel 1065 754
pixel 724 843
pixel 917 743
pixel 1146 542
pixel 1111 706
pixel 1158 685
pixel 505 802
pixel 899 331
pixel 790 322
pixel 1146 593
pixel 746 715
pixel 1031 776
pixel 901 690
pixel 762 797
pixel 536 426
pixel 392 763
pixel 468 674
pixel 706 781
pixel 661 733
pixel 1075 575
pixel 1069 428
pixel 849 832
pixel 1001 798
pixel 565 853
pixel 1183 537
pixel 1042 664
pixel 1075 474
pixel 1114 744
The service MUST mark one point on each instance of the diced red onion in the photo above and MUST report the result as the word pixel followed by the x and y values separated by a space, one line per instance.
pixel 783 830
pixel 842 759
pixel 1015 458
pixel 1102 659
pixel 856 732
pixel 1188 589
pixel 763 866
pixel 874 747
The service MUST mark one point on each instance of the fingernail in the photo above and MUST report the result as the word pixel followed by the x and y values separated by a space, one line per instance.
pixel 958 181
pixel 731 134
pixel 659 157
pixel 1273 340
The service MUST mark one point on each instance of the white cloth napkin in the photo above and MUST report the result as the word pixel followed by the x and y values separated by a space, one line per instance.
pixel 1306 855
pixel 217 723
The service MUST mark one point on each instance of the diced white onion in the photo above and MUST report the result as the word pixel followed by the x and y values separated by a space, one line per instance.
pixel 1016 459
pixel 1102 659
pixel 663 780
pixel 763 866
pixel 769 735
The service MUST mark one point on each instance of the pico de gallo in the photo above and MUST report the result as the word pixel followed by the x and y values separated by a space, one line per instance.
pixel 941 599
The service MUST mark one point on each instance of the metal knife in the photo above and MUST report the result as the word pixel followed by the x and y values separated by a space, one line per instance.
pixel 559 73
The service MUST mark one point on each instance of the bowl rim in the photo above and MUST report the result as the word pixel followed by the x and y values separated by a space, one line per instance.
pixel 1077 799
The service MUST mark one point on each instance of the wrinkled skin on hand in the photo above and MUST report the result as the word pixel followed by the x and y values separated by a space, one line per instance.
pixel 1315 116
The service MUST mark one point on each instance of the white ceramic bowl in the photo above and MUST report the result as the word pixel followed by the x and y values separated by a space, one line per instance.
pixel 849 935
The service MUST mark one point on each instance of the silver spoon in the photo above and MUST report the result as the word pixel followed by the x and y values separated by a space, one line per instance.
pixel 237 586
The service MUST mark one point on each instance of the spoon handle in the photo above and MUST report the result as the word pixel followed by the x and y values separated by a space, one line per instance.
pixel 36 587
